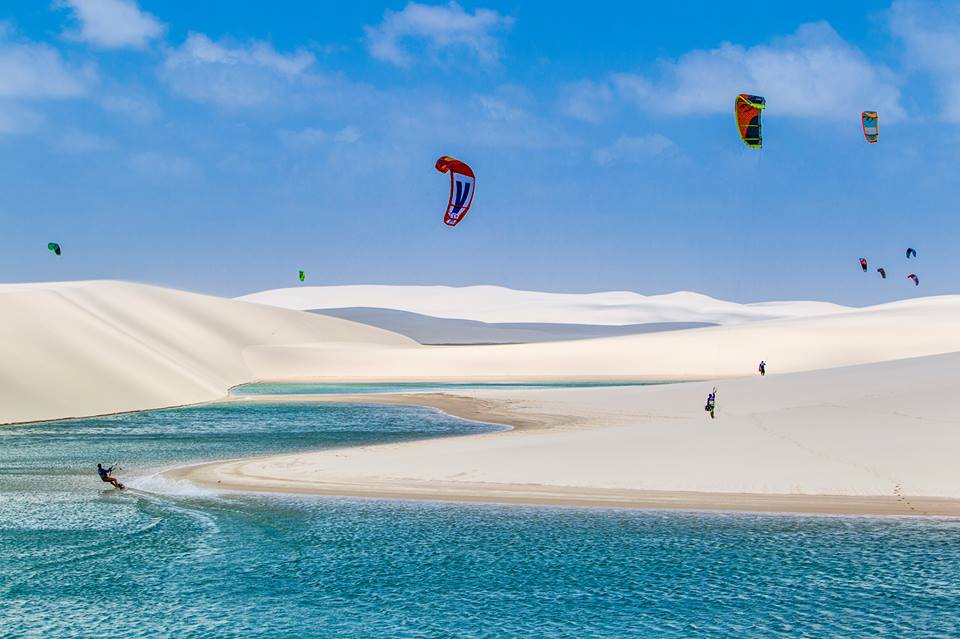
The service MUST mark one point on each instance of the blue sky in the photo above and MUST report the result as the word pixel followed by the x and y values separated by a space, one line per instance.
pixel 219 146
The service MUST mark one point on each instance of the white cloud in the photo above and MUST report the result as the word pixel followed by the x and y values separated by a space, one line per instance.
pixel 634 149
pixel 812 73
pixel 137 108
pixel 16 120
pixel 508 118
pixel 77 141
pixel 29 70
pixel 498 109
pixel 33 72
pixel 232 75
pixel 436 28
pixel 112 24
pixel 931 35
pixel 586 100
pixel 304 137
pixel 154 164
pixel 348 135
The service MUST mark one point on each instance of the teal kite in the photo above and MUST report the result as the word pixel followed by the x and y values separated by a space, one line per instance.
pixel 871 132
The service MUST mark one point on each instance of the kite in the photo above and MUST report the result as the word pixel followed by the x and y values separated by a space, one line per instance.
pixel 882 272
pixel 462 188
pixel 870 130
pixel 302 276
pixel 53 246
pixel 863 264
pixel 746 109
pixel 911 253
pixel 916 280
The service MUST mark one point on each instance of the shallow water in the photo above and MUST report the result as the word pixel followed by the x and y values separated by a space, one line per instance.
pixel 79 560
pixel 267 388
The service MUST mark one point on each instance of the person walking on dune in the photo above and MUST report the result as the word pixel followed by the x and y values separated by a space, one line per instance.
pixel 763 368
pixel 107 479
pixel 711 403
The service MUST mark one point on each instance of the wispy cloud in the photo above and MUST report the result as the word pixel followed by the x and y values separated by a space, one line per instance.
pixel 16 120
pixel 812 73
pixel 34 71
pixel 509 118
pixel 161 166
pixel 307 137
pixel 348 135
pixel 586 100
pixel 134 107
pixel 931 37
pixel 634 149
pixel 232 75
pixel 434 29
pixel 112 24
pixel 31 73
pixel 313 137
pixel 78 141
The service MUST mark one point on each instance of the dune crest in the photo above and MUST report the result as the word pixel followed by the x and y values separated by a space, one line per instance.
pixel 496 304
pixel 77 349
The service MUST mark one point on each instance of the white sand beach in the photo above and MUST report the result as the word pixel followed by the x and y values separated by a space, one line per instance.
pixel 878 438
pixel 855 415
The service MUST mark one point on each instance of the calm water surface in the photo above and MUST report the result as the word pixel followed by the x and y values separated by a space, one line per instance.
pixel 79 560
pixel 266 388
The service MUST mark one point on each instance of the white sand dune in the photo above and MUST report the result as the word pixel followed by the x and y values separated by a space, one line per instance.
pixel 496 304
pixel 891 331
pixel 89 348
pixel 887 430
pixel 873 415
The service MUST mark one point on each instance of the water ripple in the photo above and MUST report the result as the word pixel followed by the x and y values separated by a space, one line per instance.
pixel 80 560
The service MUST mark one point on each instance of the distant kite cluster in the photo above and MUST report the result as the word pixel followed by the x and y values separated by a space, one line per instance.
pixel 747 109
pixel 883 272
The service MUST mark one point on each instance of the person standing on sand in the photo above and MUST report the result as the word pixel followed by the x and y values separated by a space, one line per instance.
pixel 711 403
pixel 106 478
pixel 763 368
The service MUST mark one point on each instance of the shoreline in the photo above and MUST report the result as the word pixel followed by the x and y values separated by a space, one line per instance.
pixel 472 409
pixel 242 475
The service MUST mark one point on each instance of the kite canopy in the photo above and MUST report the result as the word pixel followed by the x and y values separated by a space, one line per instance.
pixel 870 130
pixel 882 272
pixel 462 187
pixel 747 108
pixel 916 280
pixel 302 276
pixel 911 253
pixel 53 246
pixel 863 264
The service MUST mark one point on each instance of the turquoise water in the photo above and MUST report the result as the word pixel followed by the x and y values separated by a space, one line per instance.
pixel 408 387
pixel 79 560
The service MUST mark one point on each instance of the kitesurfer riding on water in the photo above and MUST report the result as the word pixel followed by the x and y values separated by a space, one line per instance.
pixel 106 478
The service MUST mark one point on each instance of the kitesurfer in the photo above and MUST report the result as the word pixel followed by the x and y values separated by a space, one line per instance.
pixel 711 403
pixel 763 368
pixel 106 478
